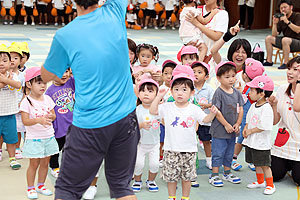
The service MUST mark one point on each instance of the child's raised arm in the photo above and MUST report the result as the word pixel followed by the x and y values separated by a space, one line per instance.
pixel 206 20
pixel 213 111
pixel 9 81
pixel 154 105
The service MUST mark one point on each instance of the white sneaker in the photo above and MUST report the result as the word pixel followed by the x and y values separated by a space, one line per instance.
pixel 163 28
pixel 269 190
pixel 63 24
pixel 44 191
pixel 136 186
pixel 55 172
pixel 215 181
pixel 152 187
pixel 55 24
pixel 5 23
pixel 11 23
pixel 155 27
pixel 32 24
pixel 0 155
pixel 25 23
pixel 231 178
pixel 40 23
pixel 32 194
pixel 145 27
pixel 18 154
pixel 173 28
pixel 90 193
pixel 256 185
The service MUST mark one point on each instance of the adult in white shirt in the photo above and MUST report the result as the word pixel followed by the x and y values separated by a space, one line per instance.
pixel 246 6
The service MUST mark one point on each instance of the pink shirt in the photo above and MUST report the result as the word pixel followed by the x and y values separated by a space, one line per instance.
pixel 38 109
pixel 139 68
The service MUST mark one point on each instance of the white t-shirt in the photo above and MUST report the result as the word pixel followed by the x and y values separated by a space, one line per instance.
pixel 287 145
pixel 187 29
pixel 169 4
pixel 7 3
pixel 260 117
pixel 150 4
pixel 249 3
pixel 21 78
pixel 38 109
pixel 59 4
pixel 28 3
pixel 168 94
pixel 41 3
pixel 9 99
pixel 131 17
pixel 150 136
pixel 180 126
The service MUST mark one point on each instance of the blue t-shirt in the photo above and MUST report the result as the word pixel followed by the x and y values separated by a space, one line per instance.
pixel 95 47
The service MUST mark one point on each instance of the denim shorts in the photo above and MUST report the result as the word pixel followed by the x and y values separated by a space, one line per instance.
pixel 40 148
pixel 8 129
pixel 222 151
pixel 162 133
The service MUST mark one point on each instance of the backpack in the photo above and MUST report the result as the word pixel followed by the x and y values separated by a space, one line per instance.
pixel 257 53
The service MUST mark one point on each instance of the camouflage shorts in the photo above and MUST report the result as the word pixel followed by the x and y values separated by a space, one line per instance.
pixel 179 165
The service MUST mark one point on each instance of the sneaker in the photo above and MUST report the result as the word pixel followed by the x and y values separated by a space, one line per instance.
pixel 231 178
pixel 25 23
pixel 145 27
pixel 90 193
pixel 5 23
pixel 55 24
pixel 14 164
pixel 43 190
pixel 137 186
pixel 208 165
pixel 32 24
pixel 235 166
pixel 256 185
pixel 161 163
pixel 195 184
pixel 155 27
pixel 55 172
pixel 11 23
pixel 215 181
pixel 163 28
pixel 32 194
pixel 269 190
pixel 63 24
pixel 40 23
pixel 268 64
pixel 283 66
pixel 18 154
pixel 173 28
pixel 151 185
pixel 251 166
pixel 46 24
pixel 0 155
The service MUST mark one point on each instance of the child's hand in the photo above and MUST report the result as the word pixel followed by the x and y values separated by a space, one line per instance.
pixel 229 128
pixel 162 92
pixel 156 76
pixel 148 71
pixel 213 109
pixel 145 125
pixel 50 116
pixel 244 133
pixel 235 29
pixel 44 121
pixel 247 132
pixel 236 128
pixel 272 101
pixel 215 11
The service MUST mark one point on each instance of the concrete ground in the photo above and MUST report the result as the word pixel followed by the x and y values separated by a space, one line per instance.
pixel 13 183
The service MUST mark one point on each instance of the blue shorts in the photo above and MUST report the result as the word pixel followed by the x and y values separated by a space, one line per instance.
pixel 246 108
pixel 222 151
pixel 8 129
pixel 203 133
pixel 162 133
pixel 40 148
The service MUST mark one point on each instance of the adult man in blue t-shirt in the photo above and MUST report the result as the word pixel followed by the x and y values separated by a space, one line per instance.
pixel 104 124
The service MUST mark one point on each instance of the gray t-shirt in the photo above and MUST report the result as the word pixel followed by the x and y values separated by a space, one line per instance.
pixel 228 105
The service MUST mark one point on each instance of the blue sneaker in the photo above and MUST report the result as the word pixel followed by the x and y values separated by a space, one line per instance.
pixel 215 181
pixel 151 185
pixel 137 186
pixel 251 166
pixel 195 184
pixel 231 178
pixel 235 166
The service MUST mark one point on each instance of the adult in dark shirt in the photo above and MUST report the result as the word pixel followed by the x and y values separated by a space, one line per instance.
pixel 289 25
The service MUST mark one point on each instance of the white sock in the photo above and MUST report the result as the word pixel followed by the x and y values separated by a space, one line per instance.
pixel 208 160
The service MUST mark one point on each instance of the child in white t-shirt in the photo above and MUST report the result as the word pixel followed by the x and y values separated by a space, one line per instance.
pixel 257 133
pixel 29 5
pixel 7 4
pixel 60 6
pixel 180 117
pixel 131 16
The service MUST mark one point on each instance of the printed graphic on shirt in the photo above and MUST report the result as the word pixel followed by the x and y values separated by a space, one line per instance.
pixel 42 112
pixel 282 137
pixel 190 121
pixel 175 123
pixel 65 102
pixel 183 124
pixel 254 120
pixel 154 123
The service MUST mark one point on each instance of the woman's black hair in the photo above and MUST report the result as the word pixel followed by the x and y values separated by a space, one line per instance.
pixel 289 2
pixel 35 79
pixel 289 65
pixel 199 65
pixel 236 45
pixel 149 86
pixel 152 48
pixel 225 68
pixel 191 56
pixel 132 47
pixel 86 3
pixel 5 53
pixel 267 93
pixel 183 81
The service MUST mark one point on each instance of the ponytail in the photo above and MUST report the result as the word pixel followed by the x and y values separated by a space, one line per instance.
pixel 153 49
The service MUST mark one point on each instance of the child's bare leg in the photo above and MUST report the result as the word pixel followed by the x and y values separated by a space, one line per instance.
pixel 31 171
pixel 215 170
pixel 62 19
pixel 207 148
pixel 186 188
pixel 11 148
pixel 46 18
pixel 147 20
pixel 32 18
pixel 19 140
pixel 172 188
pixel 25 18
pixel 138 177
pixel 43 170
pixel 151 176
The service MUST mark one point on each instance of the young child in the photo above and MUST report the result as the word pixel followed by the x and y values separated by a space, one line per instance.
pixel 251 69
pixel 257 132
pixel 132 52
pixel 61 92
pixel 73 15
pixel 60 6
pixel 187 55
pixel 149 141
pixel 16 56
pixel 146 53
pixel 150 13
pixel 7 4
pixel 29 5
pixel 180 118
pixel 9 83
pixel 42 9
pixel 190 33
pixel 131 16
pixel 37 112
pixel 26 54
pixel 170 6
pixel 225 126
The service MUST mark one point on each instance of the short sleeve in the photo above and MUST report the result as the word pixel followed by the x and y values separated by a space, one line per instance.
pixel 249 113
pixel 161 110
pixel 210 95
pixel 120 5
pixel 57 60
pixel 240 98
pixel 200 114
pixel 297 21
pixel 24 106
pixel 216 100
pixel 50 102
pixel 222 21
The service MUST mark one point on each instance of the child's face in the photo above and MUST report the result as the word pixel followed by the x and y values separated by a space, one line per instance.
pixel 131 56
pixel 15 60
pixel 4 63
pixel 239 57
pixel 227 79
pixel 145 57
pixel 37 88
pixel 24 59
pixel 167 75
pixel 188 59
pixel 292 73
pixel 245 78
pixel 181 93
pixel 64 78
pixel 147 96
pixel 200 74
pixel 254 95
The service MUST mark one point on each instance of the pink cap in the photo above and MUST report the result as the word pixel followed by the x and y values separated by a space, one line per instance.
pixel 224 63
pixel 186 50
pixel 32 72
pixel 147 79
pixel 253 68
pixel 168 61
pixel 207 66
pixel 182 71
pixel 262 82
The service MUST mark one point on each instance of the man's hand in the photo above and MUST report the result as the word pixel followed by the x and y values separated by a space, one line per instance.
pixel 275 20
pixel 284 18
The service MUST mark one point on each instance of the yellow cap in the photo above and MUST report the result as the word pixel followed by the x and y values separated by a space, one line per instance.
pixel 3 48
pixel 15 48
pixel 22 45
